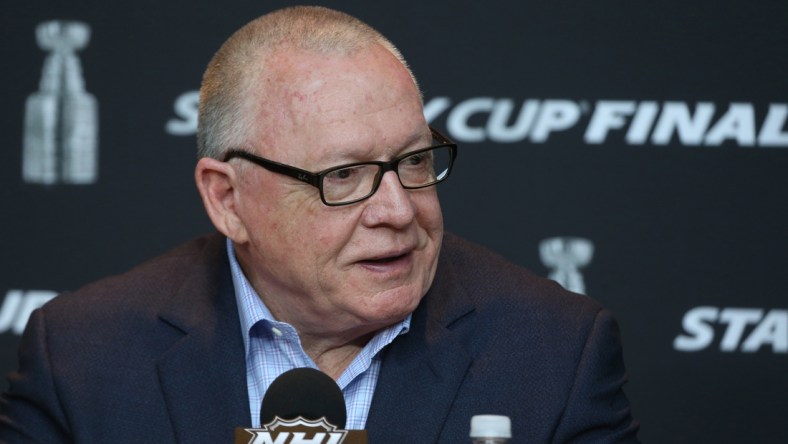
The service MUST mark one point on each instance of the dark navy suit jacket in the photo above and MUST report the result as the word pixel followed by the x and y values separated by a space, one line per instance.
pixel 156 356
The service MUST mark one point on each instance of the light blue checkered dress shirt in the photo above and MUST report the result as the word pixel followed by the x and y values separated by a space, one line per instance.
pixel 273 347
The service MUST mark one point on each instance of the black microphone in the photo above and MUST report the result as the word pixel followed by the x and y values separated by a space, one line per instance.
pixel 305 392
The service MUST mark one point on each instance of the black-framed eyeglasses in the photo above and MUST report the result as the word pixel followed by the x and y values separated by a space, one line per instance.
pixel 347 184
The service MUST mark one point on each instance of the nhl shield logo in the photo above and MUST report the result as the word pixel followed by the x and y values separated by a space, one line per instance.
pixel 297 431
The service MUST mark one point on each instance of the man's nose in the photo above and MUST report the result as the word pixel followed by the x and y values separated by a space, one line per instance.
pixel 391 204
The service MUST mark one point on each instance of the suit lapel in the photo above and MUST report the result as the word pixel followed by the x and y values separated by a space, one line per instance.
pixel 422 370
pixel 203 376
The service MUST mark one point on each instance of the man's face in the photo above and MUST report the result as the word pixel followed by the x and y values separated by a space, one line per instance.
pixel 348 269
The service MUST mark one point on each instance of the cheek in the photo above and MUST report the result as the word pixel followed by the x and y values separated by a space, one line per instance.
pixel 430 216
pixel 327 230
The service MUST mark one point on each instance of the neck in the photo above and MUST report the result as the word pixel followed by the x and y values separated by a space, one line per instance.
pixel 331 357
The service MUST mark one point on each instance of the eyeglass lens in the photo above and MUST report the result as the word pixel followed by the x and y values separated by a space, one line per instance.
pixel 421 169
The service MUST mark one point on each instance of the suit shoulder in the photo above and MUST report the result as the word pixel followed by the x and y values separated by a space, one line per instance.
pixel 146 285
pixel 496 285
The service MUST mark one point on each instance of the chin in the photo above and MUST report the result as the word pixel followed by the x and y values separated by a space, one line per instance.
pixel 395 304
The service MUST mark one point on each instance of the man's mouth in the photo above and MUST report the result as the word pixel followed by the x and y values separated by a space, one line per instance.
pixel 384 260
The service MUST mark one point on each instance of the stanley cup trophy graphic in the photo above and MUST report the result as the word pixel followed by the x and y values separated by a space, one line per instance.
pixel 61 120
pixel 565 256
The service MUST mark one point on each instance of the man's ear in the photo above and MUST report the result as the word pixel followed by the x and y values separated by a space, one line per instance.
pixel 217 183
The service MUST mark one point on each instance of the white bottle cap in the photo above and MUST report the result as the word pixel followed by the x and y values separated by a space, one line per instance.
pixel 491 426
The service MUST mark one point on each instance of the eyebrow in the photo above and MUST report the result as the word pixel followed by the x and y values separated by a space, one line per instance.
pixel 347 155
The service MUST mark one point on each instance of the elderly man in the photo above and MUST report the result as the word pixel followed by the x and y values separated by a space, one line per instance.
pixel 317 168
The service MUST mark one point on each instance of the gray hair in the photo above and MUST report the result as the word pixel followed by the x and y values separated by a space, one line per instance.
pixel 226 118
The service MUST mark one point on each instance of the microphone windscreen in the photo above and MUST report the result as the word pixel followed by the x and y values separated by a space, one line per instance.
pixel 304 392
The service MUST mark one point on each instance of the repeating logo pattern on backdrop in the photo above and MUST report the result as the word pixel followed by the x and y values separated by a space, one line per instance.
pixel 565 256
pixel 61 119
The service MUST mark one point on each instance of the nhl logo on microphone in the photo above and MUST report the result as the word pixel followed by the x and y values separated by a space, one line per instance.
pixel 297 431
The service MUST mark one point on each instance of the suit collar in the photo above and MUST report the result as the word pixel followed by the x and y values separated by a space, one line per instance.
pixel 206 367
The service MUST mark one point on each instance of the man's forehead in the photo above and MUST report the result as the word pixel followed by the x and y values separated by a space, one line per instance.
pixel 299 73
pixel 322 98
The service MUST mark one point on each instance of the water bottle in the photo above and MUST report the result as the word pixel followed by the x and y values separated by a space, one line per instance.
pixel 490 429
